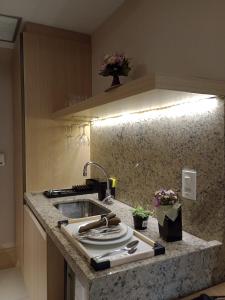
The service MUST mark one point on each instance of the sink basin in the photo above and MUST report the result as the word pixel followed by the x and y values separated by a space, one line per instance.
pixel 81 208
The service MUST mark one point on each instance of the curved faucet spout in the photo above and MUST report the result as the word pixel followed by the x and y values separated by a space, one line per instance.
pixel 95 164
pixel 108 198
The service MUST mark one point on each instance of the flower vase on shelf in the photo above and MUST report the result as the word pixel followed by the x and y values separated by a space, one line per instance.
pixel 116 80
pixel 115 65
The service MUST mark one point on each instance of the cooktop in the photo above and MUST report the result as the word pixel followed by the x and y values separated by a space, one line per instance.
pixel 75 190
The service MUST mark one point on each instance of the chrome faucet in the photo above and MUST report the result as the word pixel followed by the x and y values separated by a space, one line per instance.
pixel 109 198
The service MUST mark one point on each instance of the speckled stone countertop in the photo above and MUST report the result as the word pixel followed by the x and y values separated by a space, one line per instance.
pixel 186 267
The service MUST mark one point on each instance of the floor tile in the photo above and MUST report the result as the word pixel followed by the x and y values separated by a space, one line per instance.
pixel 12 285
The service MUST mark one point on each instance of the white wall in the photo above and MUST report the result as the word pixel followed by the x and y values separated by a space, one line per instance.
pixel 173 36
pixel 7 204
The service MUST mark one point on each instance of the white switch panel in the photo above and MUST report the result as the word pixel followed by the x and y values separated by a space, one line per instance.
pixel 2 159
pixel 189 184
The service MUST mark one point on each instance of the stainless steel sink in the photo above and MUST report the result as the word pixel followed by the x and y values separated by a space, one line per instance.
pixel 81 208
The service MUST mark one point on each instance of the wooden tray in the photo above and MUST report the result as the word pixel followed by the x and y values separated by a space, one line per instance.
pixel 146 247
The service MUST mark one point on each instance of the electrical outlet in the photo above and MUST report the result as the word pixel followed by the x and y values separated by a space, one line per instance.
pixel 189 184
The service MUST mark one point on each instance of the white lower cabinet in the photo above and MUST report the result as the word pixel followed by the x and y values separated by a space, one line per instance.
pixel 35 257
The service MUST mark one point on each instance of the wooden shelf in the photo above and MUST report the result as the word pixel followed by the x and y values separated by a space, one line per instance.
pixel 149 92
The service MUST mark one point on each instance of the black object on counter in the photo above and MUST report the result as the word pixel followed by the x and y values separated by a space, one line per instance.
pixel 92 186
pixel 63 222
pixel 140 223
pixel 159 249
pixel 171 231
pixel 75 190
pixel 100 187
pixel 99 266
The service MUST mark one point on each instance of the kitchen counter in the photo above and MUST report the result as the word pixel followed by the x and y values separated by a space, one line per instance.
pixel 186 267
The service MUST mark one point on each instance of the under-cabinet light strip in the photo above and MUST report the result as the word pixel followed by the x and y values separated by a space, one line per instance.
pixel 188 108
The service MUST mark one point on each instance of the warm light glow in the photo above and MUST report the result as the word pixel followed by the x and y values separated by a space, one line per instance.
pixel 190 108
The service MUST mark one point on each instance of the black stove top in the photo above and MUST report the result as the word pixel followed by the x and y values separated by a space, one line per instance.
pixel 75 190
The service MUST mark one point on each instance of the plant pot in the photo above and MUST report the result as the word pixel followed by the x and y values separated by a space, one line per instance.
pixel 171 231
pixel 140 223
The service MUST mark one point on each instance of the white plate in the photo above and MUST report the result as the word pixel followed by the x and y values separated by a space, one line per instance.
pixel 123 239
pixel 74 230
pixel 110 236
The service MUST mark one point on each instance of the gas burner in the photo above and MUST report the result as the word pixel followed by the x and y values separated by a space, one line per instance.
pixel 75 190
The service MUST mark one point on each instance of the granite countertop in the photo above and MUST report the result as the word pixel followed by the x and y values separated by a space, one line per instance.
pixel 49 216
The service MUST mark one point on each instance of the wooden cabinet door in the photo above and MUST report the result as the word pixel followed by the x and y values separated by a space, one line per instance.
pixel 55 70
pixel 35 257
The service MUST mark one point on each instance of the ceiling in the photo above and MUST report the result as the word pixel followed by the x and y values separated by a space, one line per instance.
pixel 78 15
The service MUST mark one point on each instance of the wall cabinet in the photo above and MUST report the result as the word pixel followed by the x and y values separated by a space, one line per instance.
pixel 56 70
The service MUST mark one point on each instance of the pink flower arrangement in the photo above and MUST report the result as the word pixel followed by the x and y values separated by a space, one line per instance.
pixel 165 197
pixel 116 64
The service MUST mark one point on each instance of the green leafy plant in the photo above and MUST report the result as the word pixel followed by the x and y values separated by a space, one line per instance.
pixel 140 212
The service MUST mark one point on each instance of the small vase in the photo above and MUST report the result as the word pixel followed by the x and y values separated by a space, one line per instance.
pixel 140 223
pixel 171 231
pixel 116 80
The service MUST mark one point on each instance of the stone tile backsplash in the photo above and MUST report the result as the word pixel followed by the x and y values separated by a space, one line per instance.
pixel 147 155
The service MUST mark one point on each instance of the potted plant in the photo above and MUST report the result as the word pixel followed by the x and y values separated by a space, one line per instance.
pixel 169 215
pixel 115 65
pixel 140 216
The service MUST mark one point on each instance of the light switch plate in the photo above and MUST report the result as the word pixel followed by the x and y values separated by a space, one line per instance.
pixel 2 159
pixel 189 184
